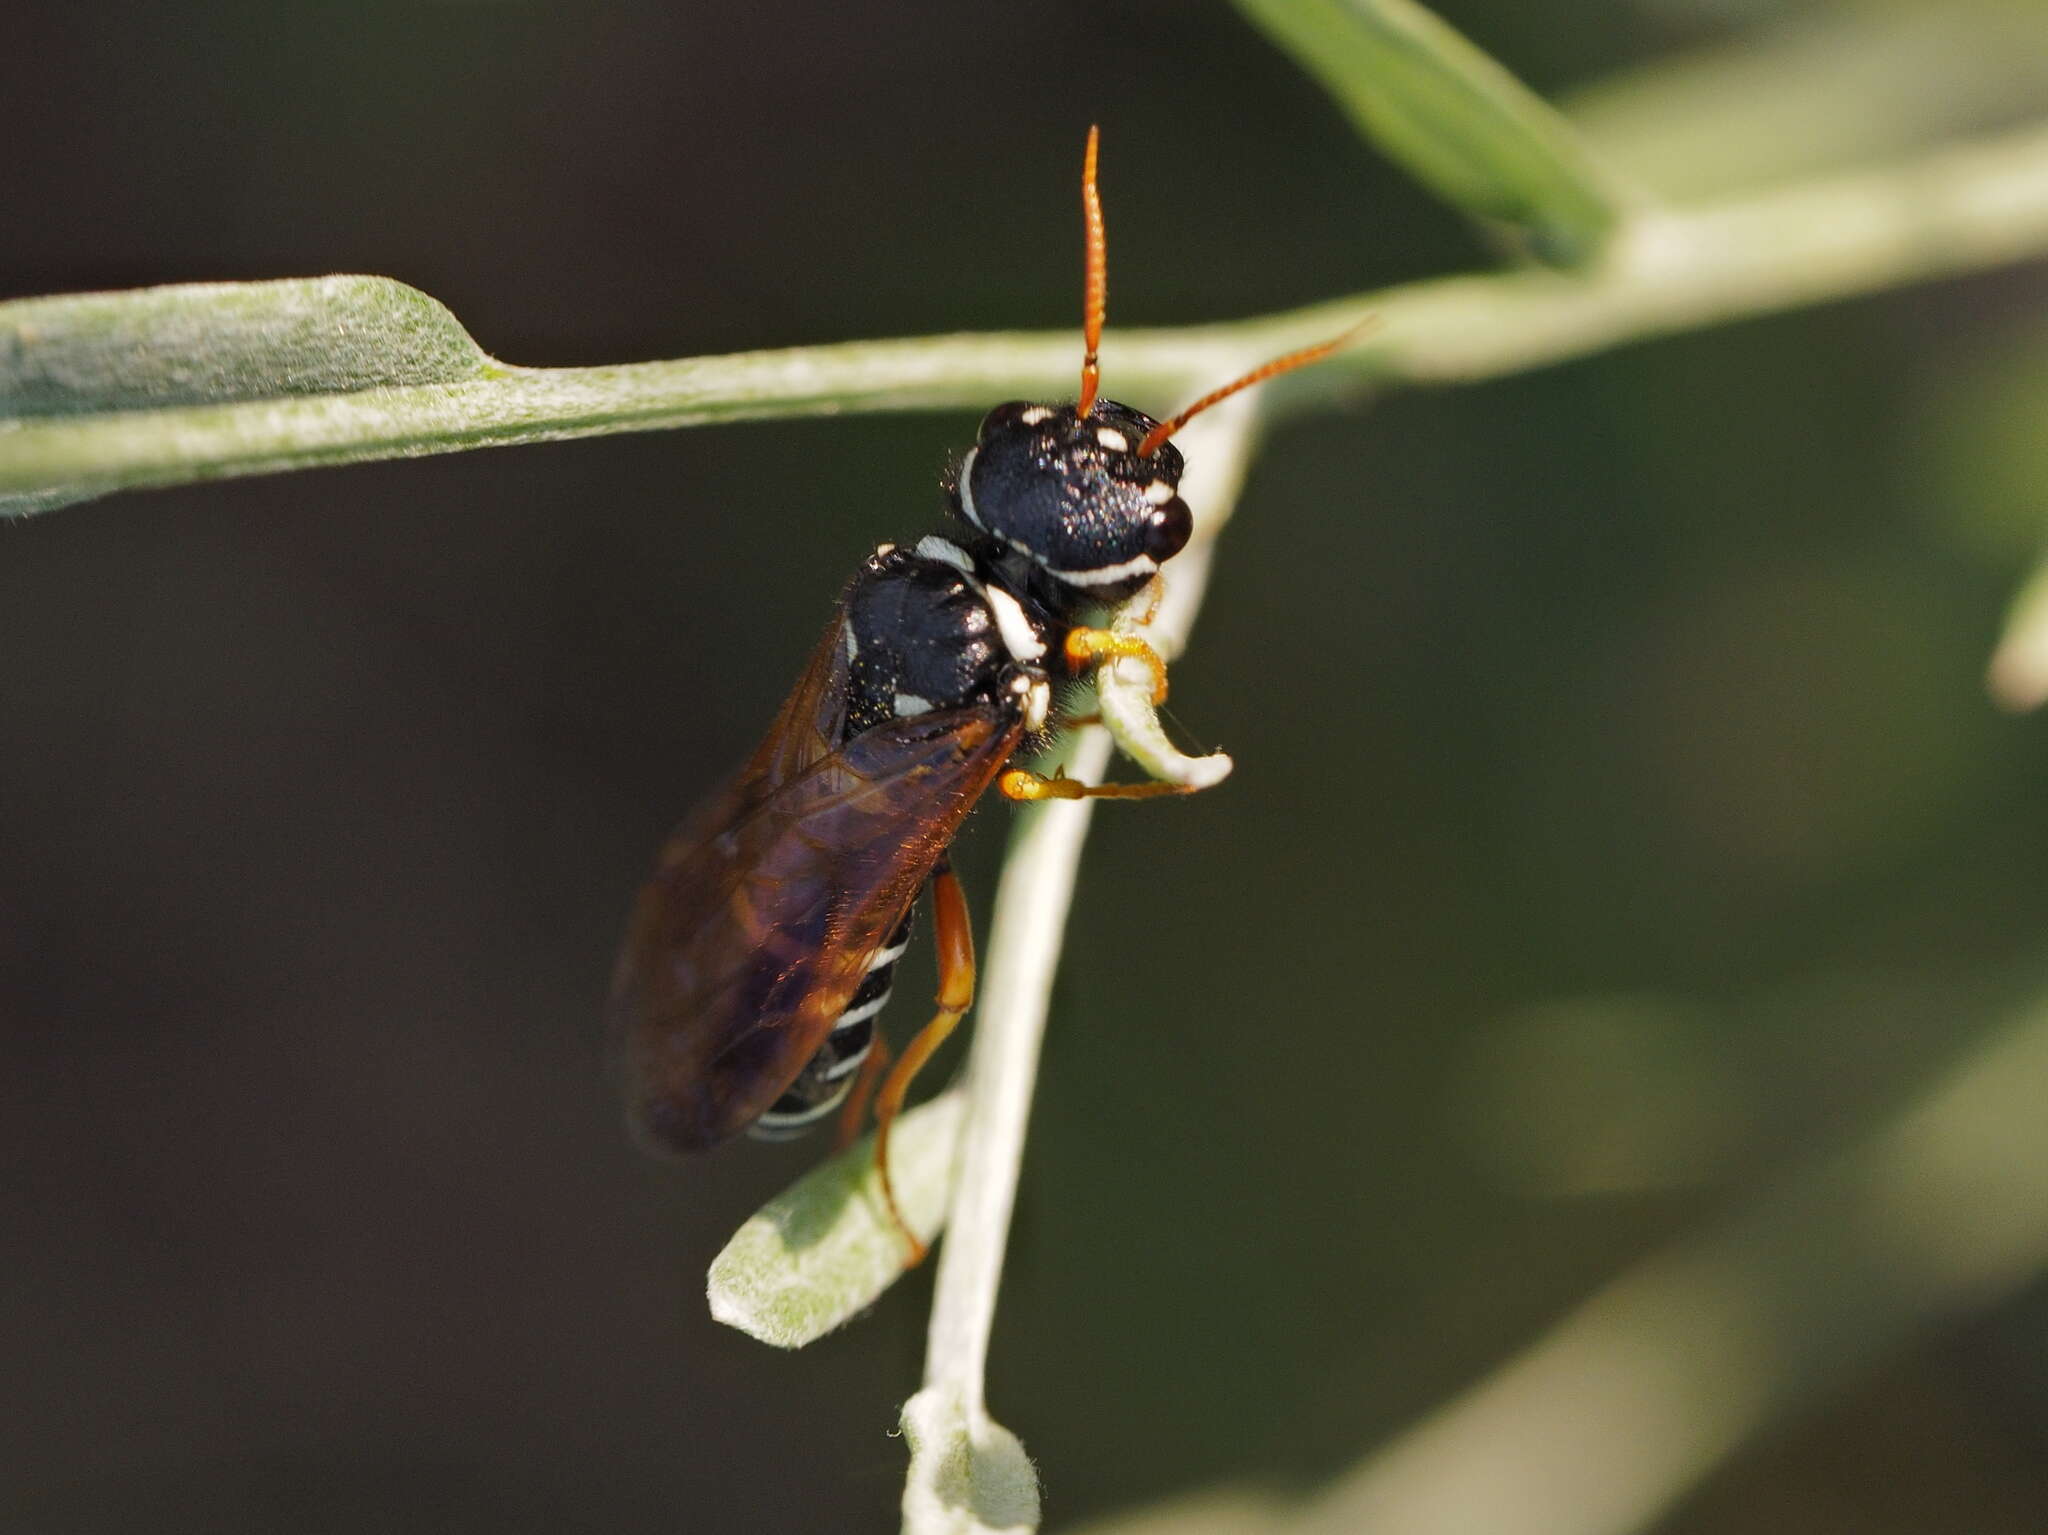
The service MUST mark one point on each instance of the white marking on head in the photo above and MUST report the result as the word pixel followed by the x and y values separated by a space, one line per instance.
pixel 1019 638
pixel 1158 493
pixel 909 706
pixel 1143 565
pixel 1110 437
pixel 944 550
pixel 882 549
pixel 967 489
pixel 1036 414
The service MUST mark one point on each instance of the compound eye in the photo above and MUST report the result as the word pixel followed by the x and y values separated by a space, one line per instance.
pixel 1168 529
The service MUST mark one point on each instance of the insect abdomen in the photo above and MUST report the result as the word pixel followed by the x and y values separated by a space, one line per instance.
pixel 830 1074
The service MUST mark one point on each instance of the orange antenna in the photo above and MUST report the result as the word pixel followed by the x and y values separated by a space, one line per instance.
pixel 1096 302
pixel 1258 375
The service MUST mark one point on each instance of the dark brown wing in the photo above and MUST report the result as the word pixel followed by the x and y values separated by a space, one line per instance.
pixel 767 906
pixel 808 724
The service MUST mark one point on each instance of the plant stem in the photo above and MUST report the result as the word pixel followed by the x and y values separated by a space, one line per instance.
pixel 949 1417
pixel 1956 210
pixel 1032 901
pixel 1959 210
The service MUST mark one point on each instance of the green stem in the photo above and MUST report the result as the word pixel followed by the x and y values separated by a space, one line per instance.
pixel 1958 210
pixel 963 1463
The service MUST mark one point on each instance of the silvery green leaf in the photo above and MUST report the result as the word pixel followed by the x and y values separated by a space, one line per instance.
pixel 161 386
pixel 153 359
pixel 822 1251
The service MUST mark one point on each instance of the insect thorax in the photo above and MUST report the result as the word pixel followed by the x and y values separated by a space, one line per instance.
pixel 930 628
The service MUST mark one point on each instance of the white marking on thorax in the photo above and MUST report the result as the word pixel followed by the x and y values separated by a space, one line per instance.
pixel 1019 638
pixel 909 706
pixel 1035 695
pixel 944 550
pixel 852 644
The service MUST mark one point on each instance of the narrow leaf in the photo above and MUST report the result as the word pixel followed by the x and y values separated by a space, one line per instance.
pixel 120 355
pixel 821 1252
pixel 206 343
pixel 1457 120
pixel 109 391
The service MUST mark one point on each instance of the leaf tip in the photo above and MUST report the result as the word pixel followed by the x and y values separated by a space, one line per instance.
pixel 824 1250
pixel 968 1474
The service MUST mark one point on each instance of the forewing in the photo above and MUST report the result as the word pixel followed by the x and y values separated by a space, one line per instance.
pixel 761 919
pixel 808 725
pixel 804 732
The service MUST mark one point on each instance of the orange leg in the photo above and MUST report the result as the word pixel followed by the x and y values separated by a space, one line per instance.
pixel 1091 647
pixel 956 995
pixel 1022 785
pixel 855 1113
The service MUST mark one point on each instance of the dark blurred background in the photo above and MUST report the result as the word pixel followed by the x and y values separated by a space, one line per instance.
pixel 1619 815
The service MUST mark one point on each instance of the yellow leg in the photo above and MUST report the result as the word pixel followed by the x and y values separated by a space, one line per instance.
pixel 1021 785
pixel 955 933
pixel 1091 647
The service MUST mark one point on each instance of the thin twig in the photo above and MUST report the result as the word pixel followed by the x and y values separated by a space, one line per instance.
pixel 959 1447
pixel 1957 210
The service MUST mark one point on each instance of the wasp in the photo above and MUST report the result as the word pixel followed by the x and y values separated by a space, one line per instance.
pixel 764 948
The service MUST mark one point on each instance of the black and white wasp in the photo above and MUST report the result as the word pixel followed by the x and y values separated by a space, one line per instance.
pixel 762 951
